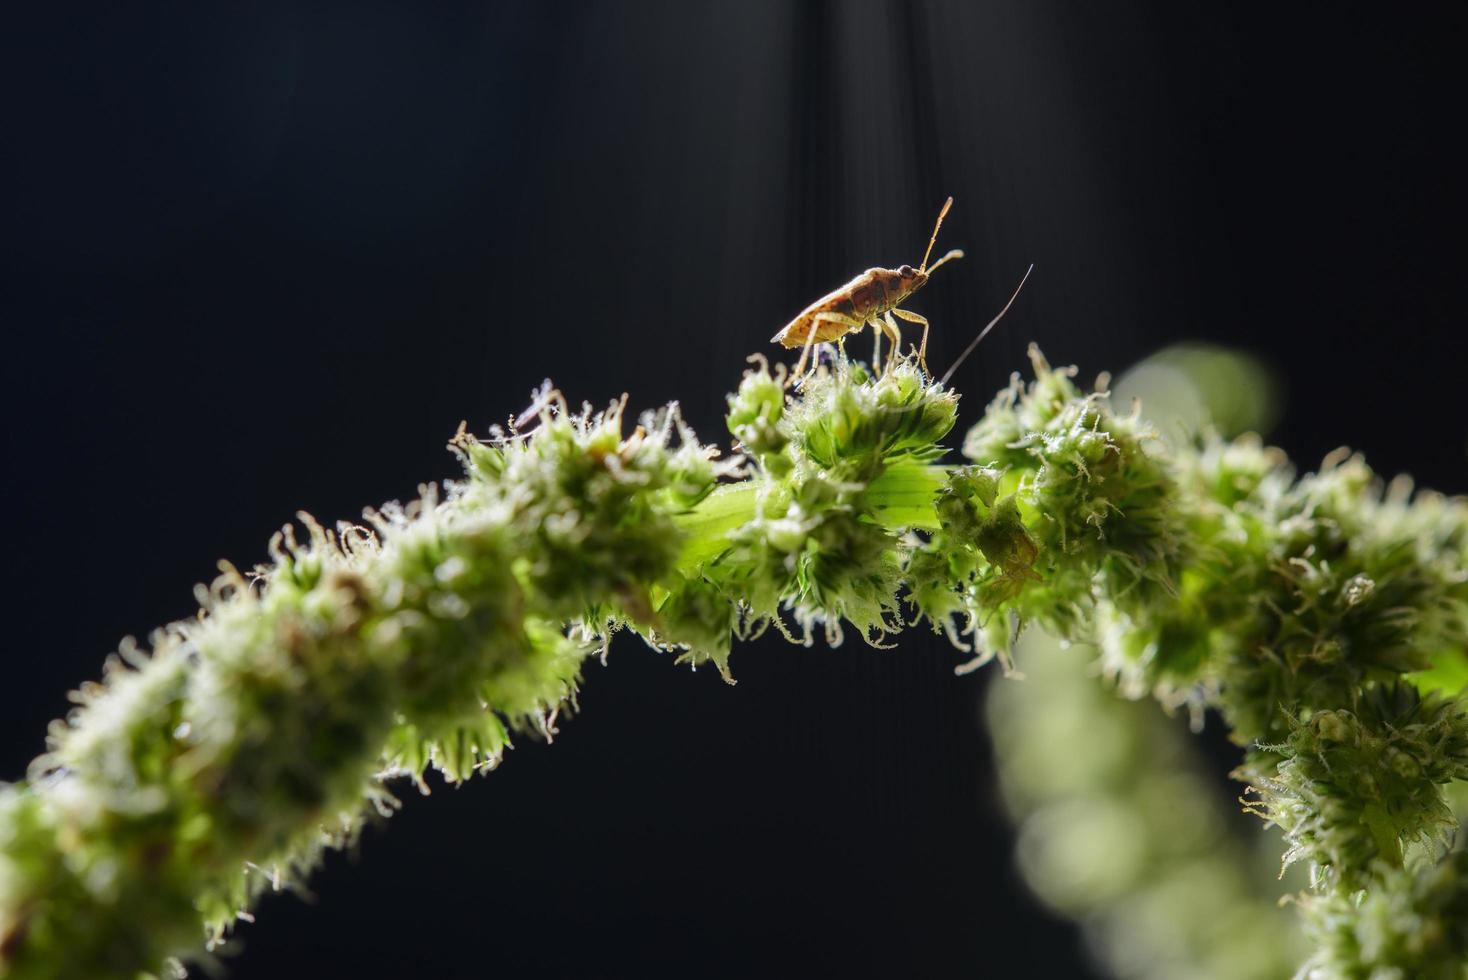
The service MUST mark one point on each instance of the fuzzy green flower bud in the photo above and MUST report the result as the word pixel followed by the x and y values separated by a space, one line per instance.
pixel 857 428
pixel 1353 788
pixel 754 416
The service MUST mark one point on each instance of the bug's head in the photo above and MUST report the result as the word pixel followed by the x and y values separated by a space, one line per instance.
pixel 911 278
pixel 921 273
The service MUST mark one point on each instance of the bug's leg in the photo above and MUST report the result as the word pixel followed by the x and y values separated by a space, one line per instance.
pixel 922 347
pixel 880 331
pixel 889 327
pixel 810 341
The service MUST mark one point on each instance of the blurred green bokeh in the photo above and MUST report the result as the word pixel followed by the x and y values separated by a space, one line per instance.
pixel 1123 828
pixel 1188 388
pixel 1121 824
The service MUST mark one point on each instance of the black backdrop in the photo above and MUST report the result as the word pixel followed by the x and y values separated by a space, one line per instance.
pixel 264 257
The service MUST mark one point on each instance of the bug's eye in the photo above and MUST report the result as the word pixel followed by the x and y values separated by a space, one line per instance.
pixel 906 270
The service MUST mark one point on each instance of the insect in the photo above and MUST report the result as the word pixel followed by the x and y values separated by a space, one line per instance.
pixel 870 298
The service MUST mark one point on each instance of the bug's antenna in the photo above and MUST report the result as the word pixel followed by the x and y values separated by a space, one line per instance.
pixel 956 253
pixel 936 225
pixel 985 332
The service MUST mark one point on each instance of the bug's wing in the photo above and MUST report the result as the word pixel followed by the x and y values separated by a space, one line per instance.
pixel 794 333
pixel 800 326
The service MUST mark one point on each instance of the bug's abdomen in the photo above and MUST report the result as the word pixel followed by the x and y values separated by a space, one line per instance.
pixel 797 331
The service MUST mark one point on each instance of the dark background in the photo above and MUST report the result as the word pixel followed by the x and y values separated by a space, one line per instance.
pixel 262 258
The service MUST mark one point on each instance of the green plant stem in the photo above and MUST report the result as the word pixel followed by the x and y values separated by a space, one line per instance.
pixel 261 731
pixel 903 496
